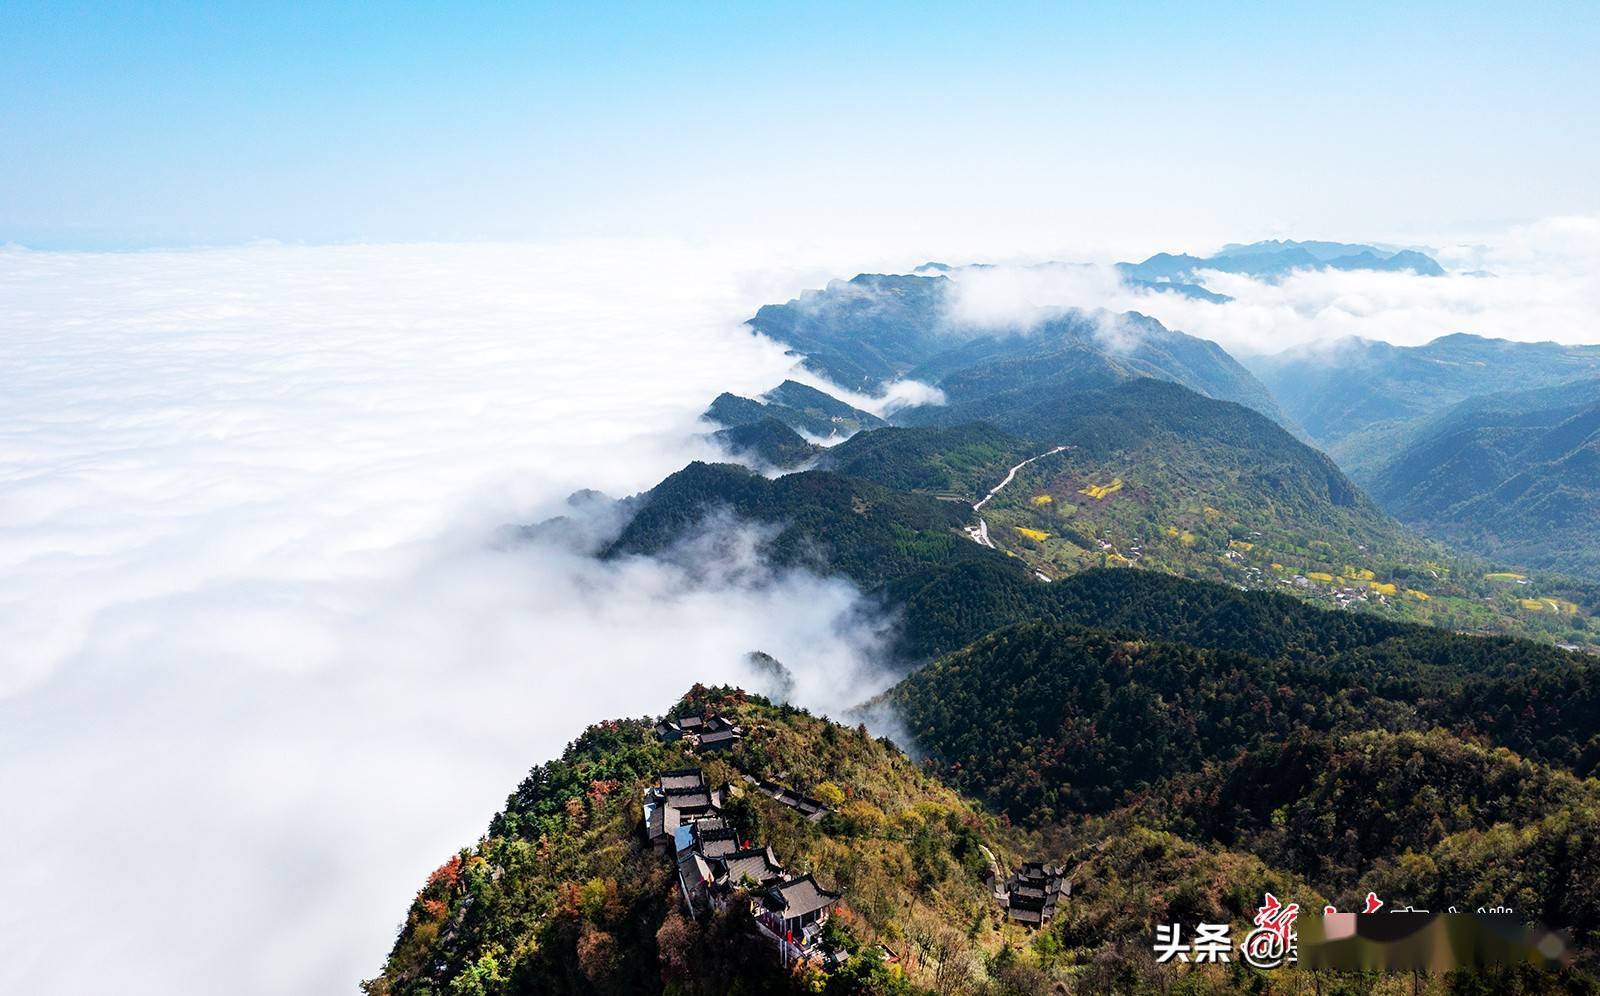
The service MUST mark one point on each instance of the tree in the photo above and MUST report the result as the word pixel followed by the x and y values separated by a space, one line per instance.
pixel 481 978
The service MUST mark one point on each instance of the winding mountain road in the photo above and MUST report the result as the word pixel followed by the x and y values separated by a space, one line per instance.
pixel 980 535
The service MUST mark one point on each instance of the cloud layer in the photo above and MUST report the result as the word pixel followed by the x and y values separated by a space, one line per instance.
pixel 1534 282
pixel 265 663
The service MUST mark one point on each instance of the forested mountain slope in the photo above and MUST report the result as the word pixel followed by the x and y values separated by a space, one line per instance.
pixel 963 461
pixel 1514 475
pixel 815 519
pixel 875 328
pixel 798 406
pixel 562 896
pixel 1390 769
pixel 768 442
pixel 1150 474
pixel 1363 401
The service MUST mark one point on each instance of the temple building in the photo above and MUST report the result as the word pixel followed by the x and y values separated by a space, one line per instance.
pixel 793 912
pixel 676 805
pixel 806 806
pixel 714 732
pixel 1031 895
pixel 683 818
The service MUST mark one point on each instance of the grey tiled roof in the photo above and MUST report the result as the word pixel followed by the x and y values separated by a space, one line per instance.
pixel 758 864
pixel 799 896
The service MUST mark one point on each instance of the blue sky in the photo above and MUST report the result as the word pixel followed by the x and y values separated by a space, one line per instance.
pixel 126 125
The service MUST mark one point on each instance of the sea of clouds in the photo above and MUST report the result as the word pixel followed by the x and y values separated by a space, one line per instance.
pixel 267 656
pixel 1534 282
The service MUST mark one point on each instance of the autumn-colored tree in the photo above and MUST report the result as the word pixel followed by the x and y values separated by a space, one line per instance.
pixel 599 900
pixel 829 793
pixel 597 955
pixel 447 876
pixel 600 789
pixel 674 944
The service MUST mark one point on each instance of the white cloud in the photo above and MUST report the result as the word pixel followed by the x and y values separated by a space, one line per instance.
pixel 1319 306
pixel 1022 296
pixel 1534 282
pixel 265 663
pixel 905 394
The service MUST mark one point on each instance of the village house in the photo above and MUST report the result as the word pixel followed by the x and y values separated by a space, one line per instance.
pixel 1031 895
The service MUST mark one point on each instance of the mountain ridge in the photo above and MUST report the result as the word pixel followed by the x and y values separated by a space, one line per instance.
pixel 876 328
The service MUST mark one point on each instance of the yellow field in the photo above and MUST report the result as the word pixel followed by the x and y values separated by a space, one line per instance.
pixel 1420 596
pixel 1556 605
pixel 1241 545
pixel 1358 573
pixel 1212 513
pixel 1277 566
pixel 1172 531
pixel 1037 535
pixel 1042 499
pixel 1186 538
pixel 1505 576
pixel 1325 578
pixel 1100 492
pixel 1117 560
pixel 1384 587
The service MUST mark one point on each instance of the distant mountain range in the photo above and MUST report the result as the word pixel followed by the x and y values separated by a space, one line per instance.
pixel 1481 442
pixel 1357 397
pixel 1273 259
pixel 876 328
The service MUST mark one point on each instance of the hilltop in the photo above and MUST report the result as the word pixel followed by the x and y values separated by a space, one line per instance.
pixel 563 895
pixel 767 442
pixel 800 407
